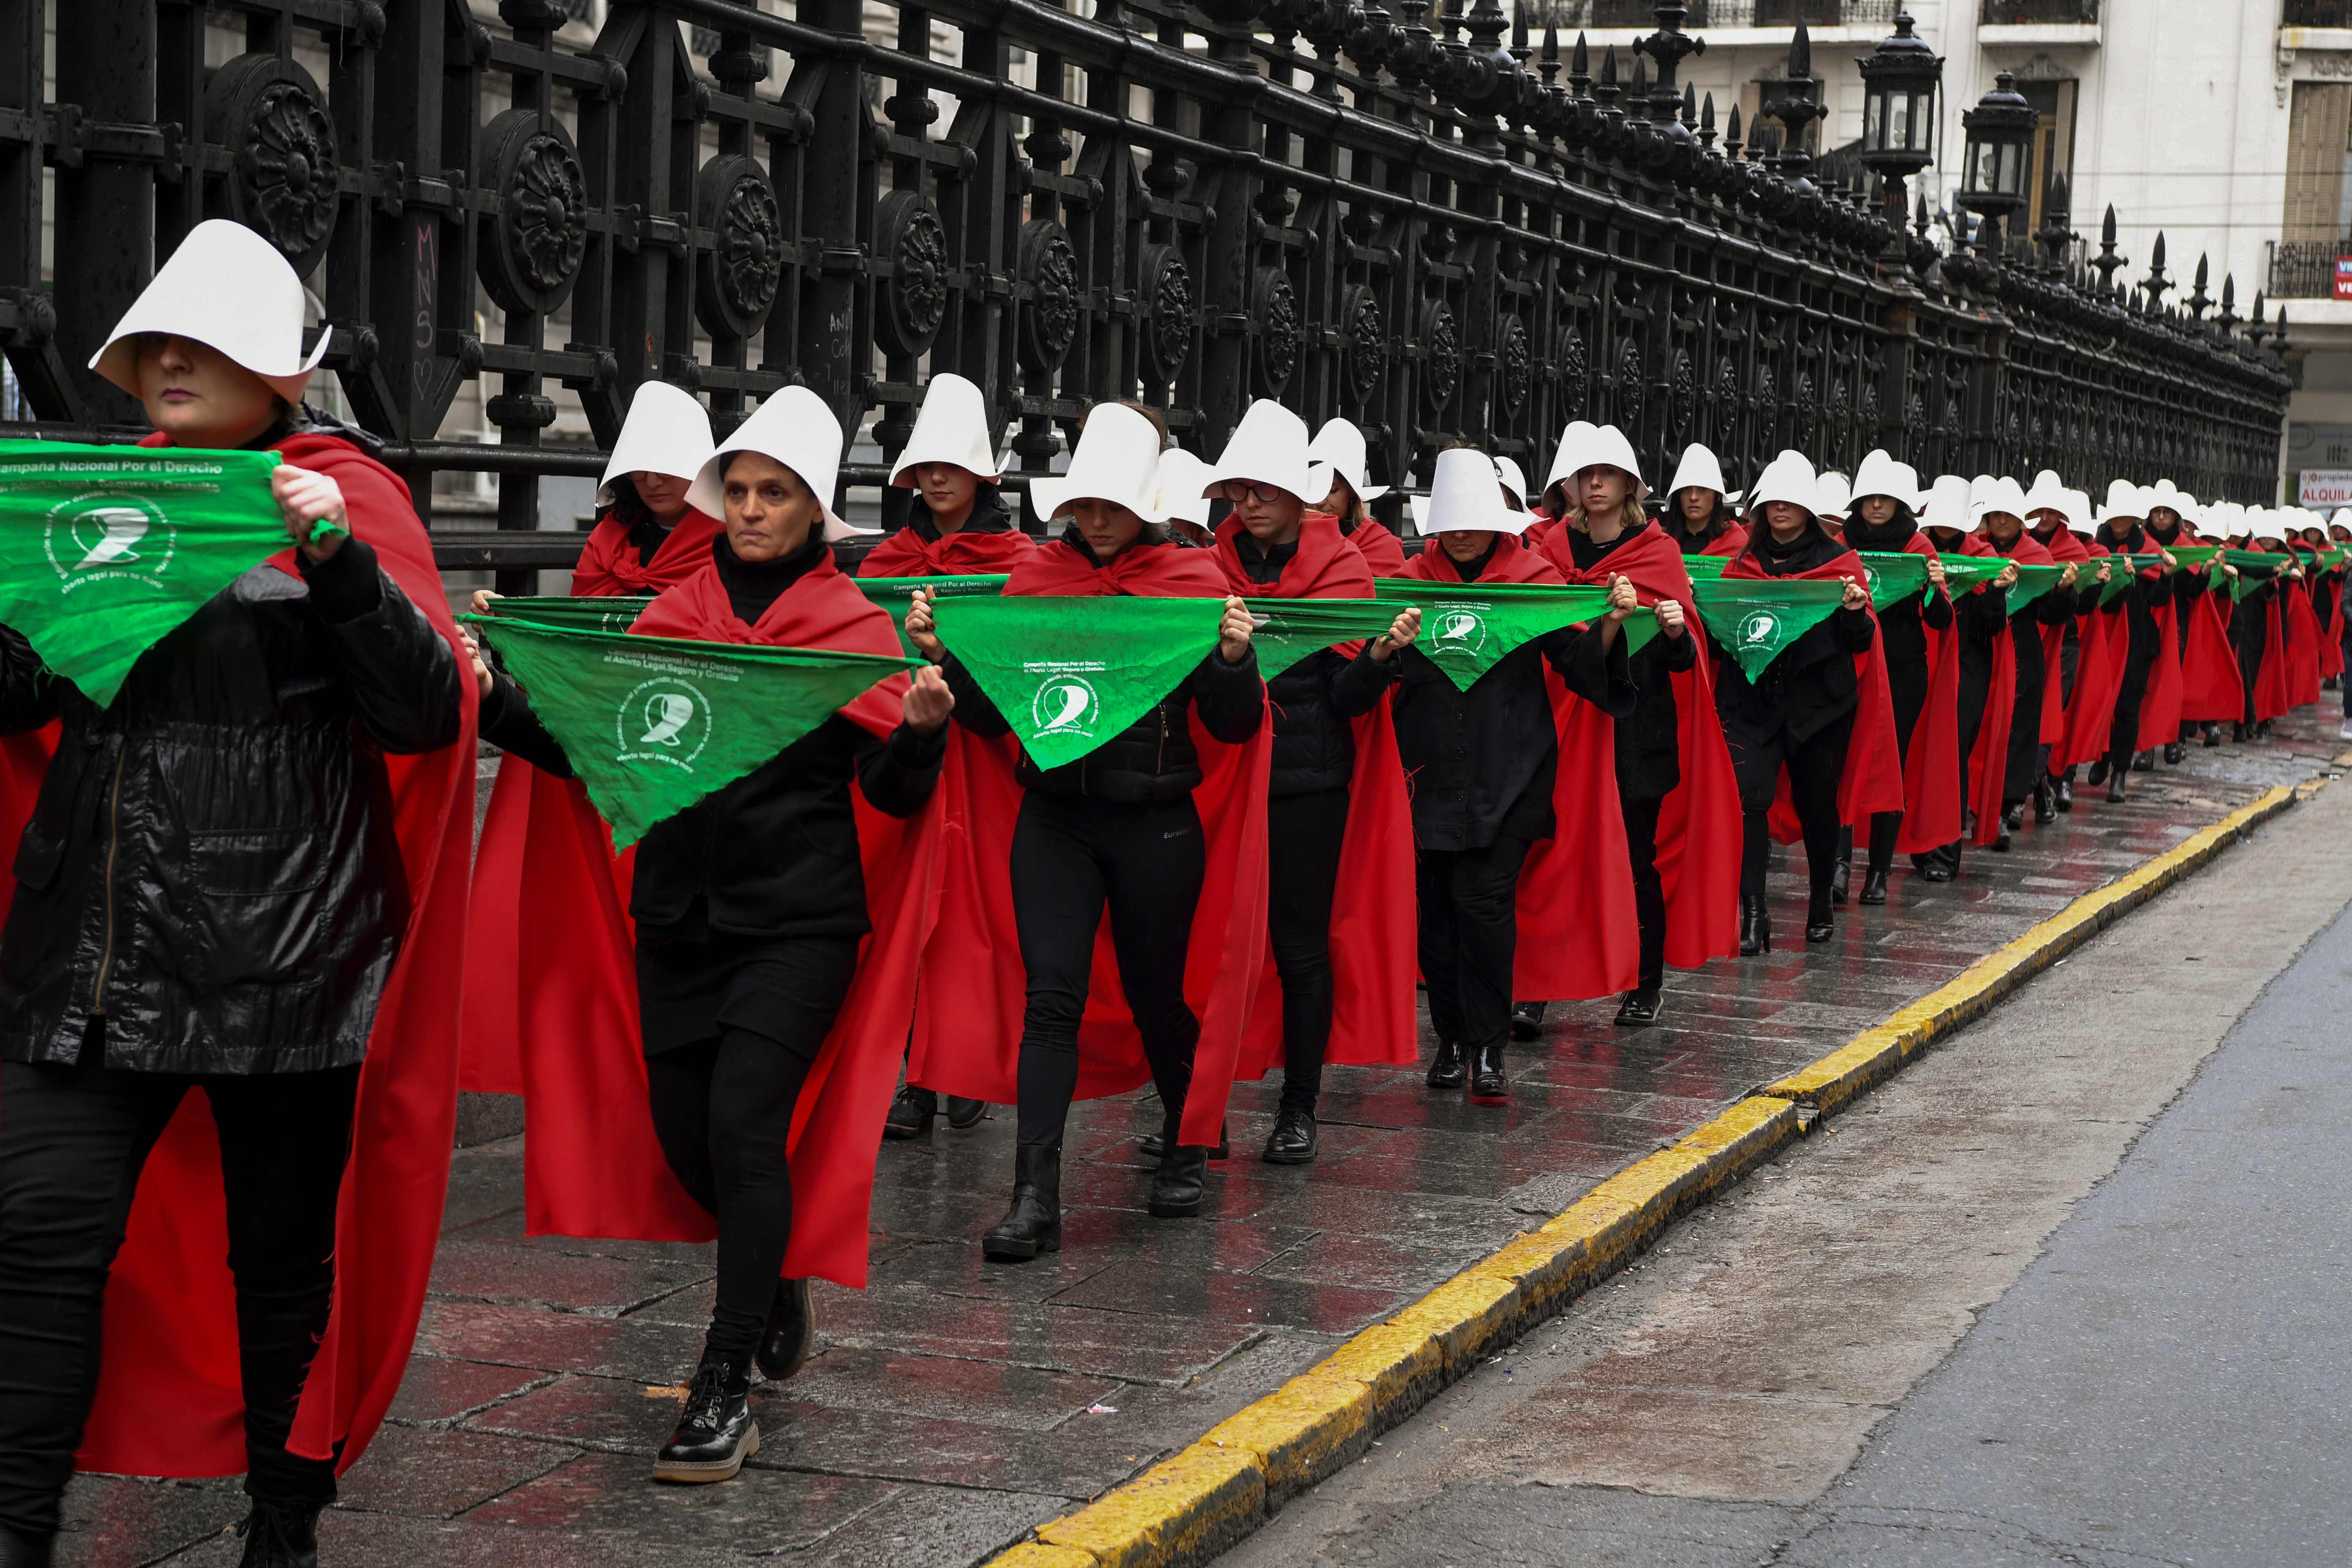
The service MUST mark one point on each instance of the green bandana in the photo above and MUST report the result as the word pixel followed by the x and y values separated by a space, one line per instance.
pixel 1290 629
pixel 2125 571
pixel 654 724
pixel 1466 629
pixel 1962 573
pixel 1895 575
pixel 613 613
pixel 1754 619
pixel 2032 582
pixel 1699 566
pixel 1069 673
pixel 896 595
pixel 105 550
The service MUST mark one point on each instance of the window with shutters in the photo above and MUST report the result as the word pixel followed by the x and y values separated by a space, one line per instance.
pixel 2319 127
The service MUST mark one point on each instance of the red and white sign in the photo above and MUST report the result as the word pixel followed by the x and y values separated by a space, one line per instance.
pixel 2325 488
pixel 2343 277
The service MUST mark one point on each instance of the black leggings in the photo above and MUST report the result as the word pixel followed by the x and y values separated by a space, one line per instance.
pixel 72 1143
pixel 1649 892
pixel 1304 833
pixel 1814 766
pixel 1072 858
pixel 1470 938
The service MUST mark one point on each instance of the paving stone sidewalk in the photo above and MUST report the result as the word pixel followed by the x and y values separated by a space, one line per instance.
pixel 957 1403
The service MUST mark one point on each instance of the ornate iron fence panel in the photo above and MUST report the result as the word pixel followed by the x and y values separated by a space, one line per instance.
pixel 1427 224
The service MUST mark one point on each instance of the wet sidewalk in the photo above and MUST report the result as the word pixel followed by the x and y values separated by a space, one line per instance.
pixel 958 1403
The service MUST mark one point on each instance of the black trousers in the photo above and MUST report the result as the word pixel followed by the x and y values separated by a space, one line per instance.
pixel 1649 892
pixel 1071 859
pixel 1470 938
pixel 722 1108
pixel 2122 735
pixel 1304 833
pixel 2251 635
pixel 1814 766
pixel 1907 684
pixel 72 1143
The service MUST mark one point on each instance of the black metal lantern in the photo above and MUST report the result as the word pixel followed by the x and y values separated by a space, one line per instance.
pixel 1900 80
pixel 1999 152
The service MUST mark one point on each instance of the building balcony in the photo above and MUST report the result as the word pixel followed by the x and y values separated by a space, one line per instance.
pixel 1718 15
pixel 2307 269
pixel 2334 13
pixel 2043 24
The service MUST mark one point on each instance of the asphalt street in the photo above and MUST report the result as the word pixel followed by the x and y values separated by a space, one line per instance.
pixel 2072 1289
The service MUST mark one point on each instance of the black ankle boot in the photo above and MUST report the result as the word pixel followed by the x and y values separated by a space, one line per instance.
pixel 791 1333
pixel 911 1112
pixel 2115 787
pixel 1449 1069
pixel 2063 795
pixel 1489 1084
pixel 1034 1224
pixel 2098 773
pixel 1152 1145
pixel 2213 731
pixel 2012 815
pixel 2144 761
pixel 2045 805
pixel 277 1535
pixel 20 1550
pixel 1293 1140
pixel 1841 879
pixel 2238 734
pixel 1817 927
pixel 1874 886
pixel 2174 753
pixel 715 1432
pixel 1754 926
pixel 1640 1008
pixel 1182 1180
pixel 962 1113
pixel 1527 1020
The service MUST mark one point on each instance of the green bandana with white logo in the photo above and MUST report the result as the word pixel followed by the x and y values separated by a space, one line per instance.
pixel 613 613
pixel 652 725
pixel 1288 630
pixel 1467 628
pixel 106 551
pixel 1754 619
pixel 1698 566
pixel 1895 575
pixel 896 595
pixel 1069 673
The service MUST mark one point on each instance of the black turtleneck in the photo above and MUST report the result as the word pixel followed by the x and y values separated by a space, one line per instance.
pixel 1469 570
pixel 1263 562
pixel 989 514
pixel 752 586
pixel 1811 548
pixel 1891 538
pixel 1588 551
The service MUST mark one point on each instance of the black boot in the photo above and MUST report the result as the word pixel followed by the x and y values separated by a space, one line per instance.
pixel 2063 795
pixel 1034 1224
pixel 963 1113
pixel 1527 1020
pixel 2098 773
pixel 2238 734
pixel 1152 1145
pixel 2213 730
pixel 277 1535
pixel 2012 815
pixel 2175 754
pixel 1817 928
pixel 2144 761
pixel 2115 787
pixel 1182 1179
pixel 1941 864
pixel 1640 1008
pixel 1874 886
pixel 1489 1084
pixel 791 1333
pixel 911 1112
pixel 2045 802
pixel 715 1433
pixel 1841 879
pixel 20 1550
pixel 1293 1140
pixel 1448 1070
pixel 1754 926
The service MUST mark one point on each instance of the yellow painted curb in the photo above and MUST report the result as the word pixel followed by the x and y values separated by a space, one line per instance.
pixel 1193 1506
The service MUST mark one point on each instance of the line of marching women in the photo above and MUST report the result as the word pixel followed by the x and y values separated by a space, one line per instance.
pixel 1195 783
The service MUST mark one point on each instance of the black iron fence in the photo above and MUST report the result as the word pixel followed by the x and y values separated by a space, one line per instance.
pixel 2305 269
pixel 1426 223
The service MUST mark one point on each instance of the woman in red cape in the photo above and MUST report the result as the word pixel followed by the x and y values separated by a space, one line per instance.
pixel 2000 523
pixel 2301 624
pixel 1820 710
pixel 2098 666
pixel 1516 821
pixel 1339 448
pixel 1698 519
pixel 1921 655
pixel 959 524
pixel 1340 932
pixel 777 927
pixel 2208 687
pixel 2074 648
pixel 1679 802
pixel 646 538
pixel 1162 827
pixel 320 1141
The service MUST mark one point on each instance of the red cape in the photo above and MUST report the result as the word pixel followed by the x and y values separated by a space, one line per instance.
pixel 578 886
pixel 2209 685
pixel 2303 647
pixel 963 554
pixel 609 565
pixel 1699 823
pixel 968 1029
pixel 1378 548
pixel 591 1165
pixel 2098 676
pixel 2062 547
pixel 1372 907
pixel 169 1400
pixel 1931 767
pixel 1733 542
pixel 1873 779
pixel 1579 936
pixel 1988 760
pixel 2331 632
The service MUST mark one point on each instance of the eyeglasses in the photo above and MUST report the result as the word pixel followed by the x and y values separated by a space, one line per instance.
pixel 1241 493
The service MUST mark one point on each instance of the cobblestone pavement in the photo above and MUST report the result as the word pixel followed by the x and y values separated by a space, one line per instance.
pixel 957 1403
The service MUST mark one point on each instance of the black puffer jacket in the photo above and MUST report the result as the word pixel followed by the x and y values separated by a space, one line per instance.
pixel 775 852
pixel 1315 702
pixel 211 864
pixel 1812 683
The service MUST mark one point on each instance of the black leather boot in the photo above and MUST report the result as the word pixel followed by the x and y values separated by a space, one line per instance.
pixel 1294 1140
pixel 20 1550
pixel 2115 786
pixel 1841 881
pixel 1152 1145
pixel 1640 1008
pixel 1754 926
pixel 2238 734
pixel 1817 927
pixel 791 1334
pixel 715 1433
pixel 2213 731
pixel 1489 1084
pixel 1182 1179
pixel 962 1113
pixel 277 1535
pixel 1449 1069
pixel 1874 887
pixel 2175 754
pixel 2012 815
pixel 2098 773
pixel 1527 1020
pixel 2143 762
pixel 2045 804
pixel 1034 1224
pixel 2062 796
pixel 912 1110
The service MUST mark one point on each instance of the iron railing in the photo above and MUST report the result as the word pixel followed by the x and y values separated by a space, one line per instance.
pixel 2305 269
pixel 1423 223
pixel 2013 13
pixel 2317 14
